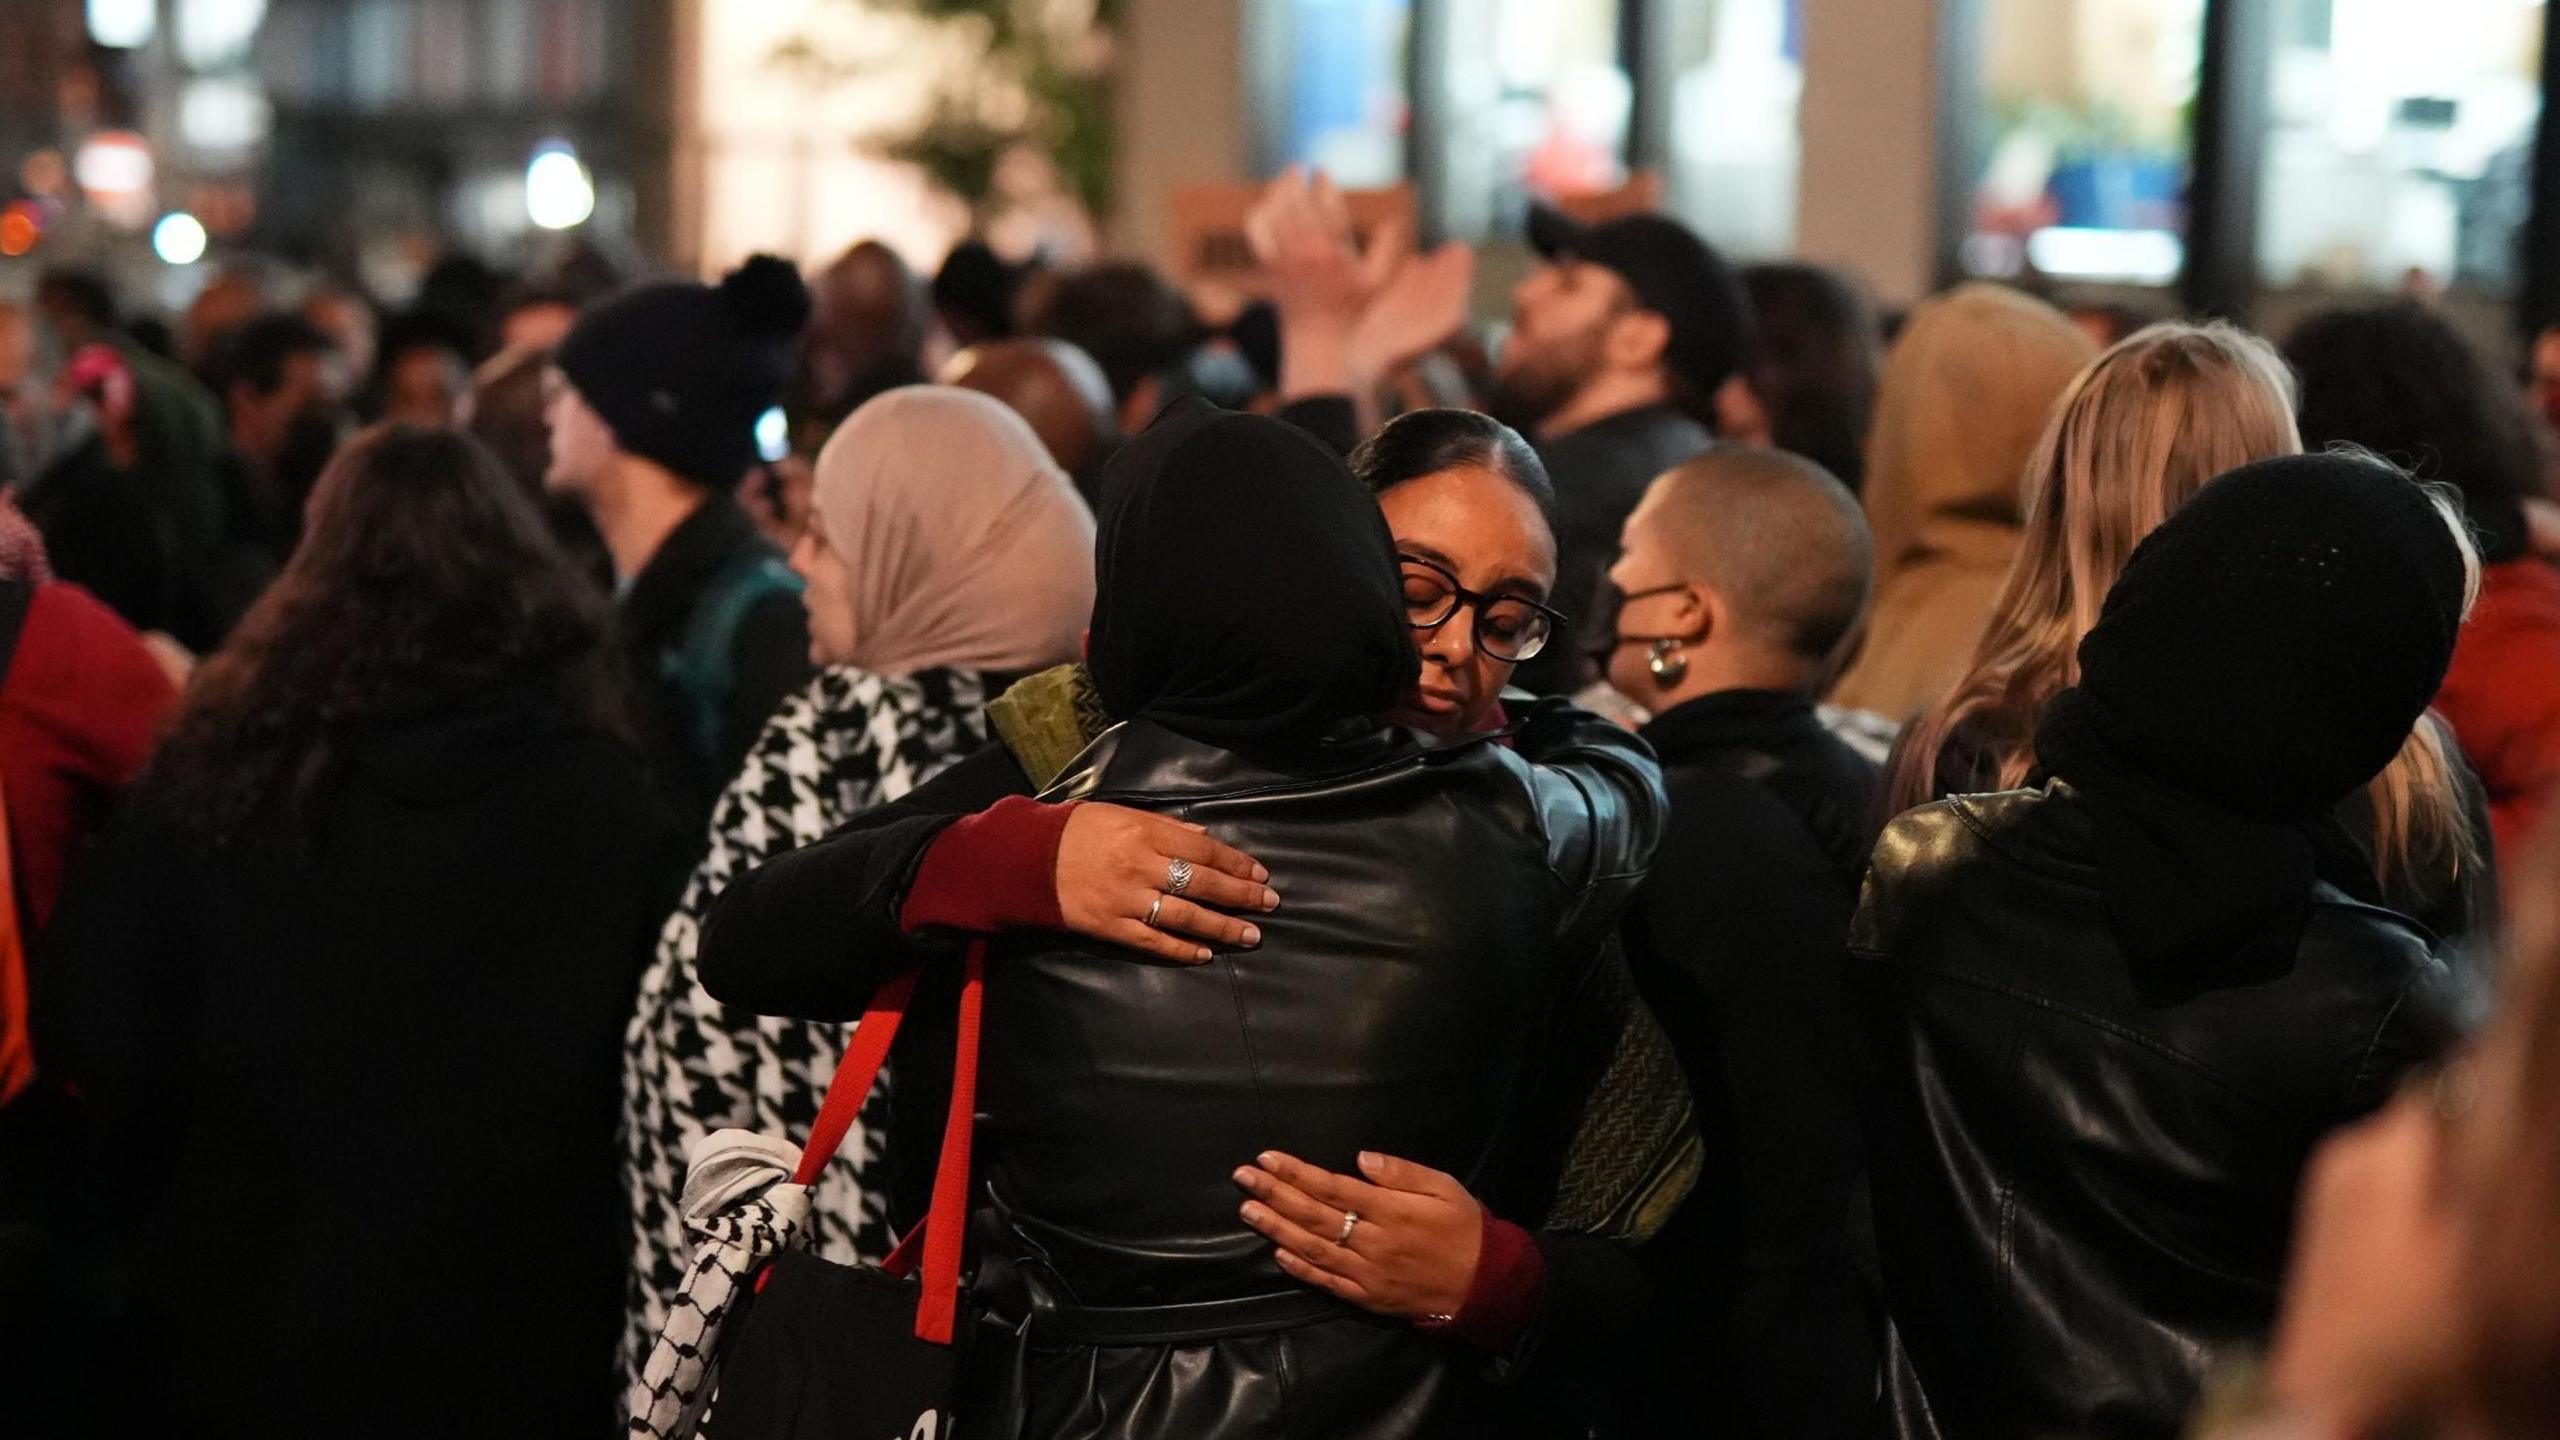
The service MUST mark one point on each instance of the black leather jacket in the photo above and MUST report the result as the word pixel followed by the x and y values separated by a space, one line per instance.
pixel 2084 1181
pixel 1435 905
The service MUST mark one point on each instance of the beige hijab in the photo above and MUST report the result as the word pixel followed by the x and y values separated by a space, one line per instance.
pixel 1967 391
pixel 966 544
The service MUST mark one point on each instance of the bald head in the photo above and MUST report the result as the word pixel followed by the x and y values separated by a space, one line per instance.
pixel 866 331
pixel 1049 383
pixel 1781 542
pixel 227 303
pixel 870 295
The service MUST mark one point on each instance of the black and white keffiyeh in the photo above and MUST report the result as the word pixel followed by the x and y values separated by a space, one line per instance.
pixel 850 741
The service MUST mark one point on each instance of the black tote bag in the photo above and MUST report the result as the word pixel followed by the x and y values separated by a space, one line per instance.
pixel 863 1352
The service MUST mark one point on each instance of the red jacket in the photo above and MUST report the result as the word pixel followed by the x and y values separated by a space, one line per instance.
pixel 79 712
pixel 2502 697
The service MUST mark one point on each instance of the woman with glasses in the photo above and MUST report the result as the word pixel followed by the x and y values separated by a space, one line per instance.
pixel 1468 503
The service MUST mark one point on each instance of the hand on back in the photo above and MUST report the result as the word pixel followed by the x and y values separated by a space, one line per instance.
pixel 1116 865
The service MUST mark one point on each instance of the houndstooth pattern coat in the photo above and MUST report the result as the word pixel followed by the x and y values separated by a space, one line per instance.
pixel 850 741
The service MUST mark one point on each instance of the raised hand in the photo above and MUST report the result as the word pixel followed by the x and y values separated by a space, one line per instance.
pixel 1418 309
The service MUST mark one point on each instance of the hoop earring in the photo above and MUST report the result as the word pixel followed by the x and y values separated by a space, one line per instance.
pixel 1666 664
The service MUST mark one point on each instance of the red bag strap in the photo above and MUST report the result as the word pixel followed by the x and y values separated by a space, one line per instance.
pixel 852 1085
pixel 940 1238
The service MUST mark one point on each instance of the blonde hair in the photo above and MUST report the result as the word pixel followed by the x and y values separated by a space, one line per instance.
pixel 2139 431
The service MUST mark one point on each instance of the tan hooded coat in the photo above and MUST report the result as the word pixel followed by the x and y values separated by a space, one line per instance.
pixel 1966 394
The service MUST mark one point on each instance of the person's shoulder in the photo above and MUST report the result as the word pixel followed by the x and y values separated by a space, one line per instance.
pixel 65 603
pixel 2376 995
pixel 1943 831
pixel 1717 791
pixel 1721 815
pixel 71 636
pixel 1967 850
pixel 2345 935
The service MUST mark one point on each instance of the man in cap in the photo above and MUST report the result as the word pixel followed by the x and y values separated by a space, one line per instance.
pixel 654 399
pixel 1618 344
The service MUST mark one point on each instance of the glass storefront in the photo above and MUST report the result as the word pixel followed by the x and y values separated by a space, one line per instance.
pixel 1345 108
pixel 1737 69
pixel 2395 152
pixel 1537 103
pixel 2399 152
pixel 2089 136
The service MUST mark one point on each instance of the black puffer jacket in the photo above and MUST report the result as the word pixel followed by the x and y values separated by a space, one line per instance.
pixel 2084 1180
pixel 1435 906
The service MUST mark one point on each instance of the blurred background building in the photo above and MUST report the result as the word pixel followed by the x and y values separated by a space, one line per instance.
pixel 2237 156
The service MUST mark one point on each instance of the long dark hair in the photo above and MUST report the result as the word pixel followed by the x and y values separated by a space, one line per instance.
pixel 1426 442
pixel 2400 381
pixel 1817 358
pixel 424 574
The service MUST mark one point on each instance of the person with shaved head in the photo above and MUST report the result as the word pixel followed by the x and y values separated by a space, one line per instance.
pixel 1055 387
pixel 1744 572
pixel 866 336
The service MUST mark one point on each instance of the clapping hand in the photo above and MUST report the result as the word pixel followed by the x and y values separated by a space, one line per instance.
pixel 1350 315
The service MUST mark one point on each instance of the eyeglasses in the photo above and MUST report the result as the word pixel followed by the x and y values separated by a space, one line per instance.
pixel 1509 627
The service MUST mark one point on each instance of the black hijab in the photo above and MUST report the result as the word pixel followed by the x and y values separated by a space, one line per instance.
pixel 1246 591
pixel 2264 655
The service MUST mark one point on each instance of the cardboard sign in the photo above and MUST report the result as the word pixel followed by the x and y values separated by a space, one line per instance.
pixel 1211 258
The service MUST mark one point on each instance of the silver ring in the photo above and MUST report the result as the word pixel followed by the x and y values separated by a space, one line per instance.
pixel 1349 1219
pixel 1177 877
pixel 1153 910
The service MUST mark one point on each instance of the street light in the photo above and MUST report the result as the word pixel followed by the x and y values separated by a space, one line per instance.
pixel 558 193
pixel 123 24
pixel 178 238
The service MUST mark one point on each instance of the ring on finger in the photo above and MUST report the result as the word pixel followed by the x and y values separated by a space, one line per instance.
pixel 1154 908
pixel 1350 1218
pixel 1177 877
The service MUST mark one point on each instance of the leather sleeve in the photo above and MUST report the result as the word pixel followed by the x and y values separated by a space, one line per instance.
pixel 1577 1356
pixel 2421 1027
pixel 1599 793
pixel 814 932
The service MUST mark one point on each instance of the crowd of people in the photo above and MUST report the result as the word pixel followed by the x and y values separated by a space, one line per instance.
pixel 1735 865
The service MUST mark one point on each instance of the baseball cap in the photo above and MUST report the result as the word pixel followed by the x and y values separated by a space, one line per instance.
pixel 1674 274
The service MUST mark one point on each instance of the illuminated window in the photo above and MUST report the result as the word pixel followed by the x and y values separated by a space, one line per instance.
pixel 1345 106
pixel 123 24
pixel 2090 136
pixel 1537 104
pixel 1737 72
pixel 213 34
pixel 2400 140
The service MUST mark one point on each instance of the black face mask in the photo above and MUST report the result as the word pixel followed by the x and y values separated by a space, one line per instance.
pixel 1602 628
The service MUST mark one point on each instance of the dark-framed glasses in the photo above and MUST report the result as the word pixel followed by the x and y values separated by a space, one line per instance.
pixel 1508 627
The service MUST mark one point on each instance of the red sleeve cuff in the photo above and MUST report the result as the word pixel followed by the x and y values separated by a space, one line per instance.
pixel 995 870
pixel 1511 1278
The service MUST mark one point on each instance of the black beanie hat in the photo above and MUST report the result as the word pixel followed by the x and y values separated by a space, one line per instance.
pixel 2265 654
pixel 2268 647
pixel 680 370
